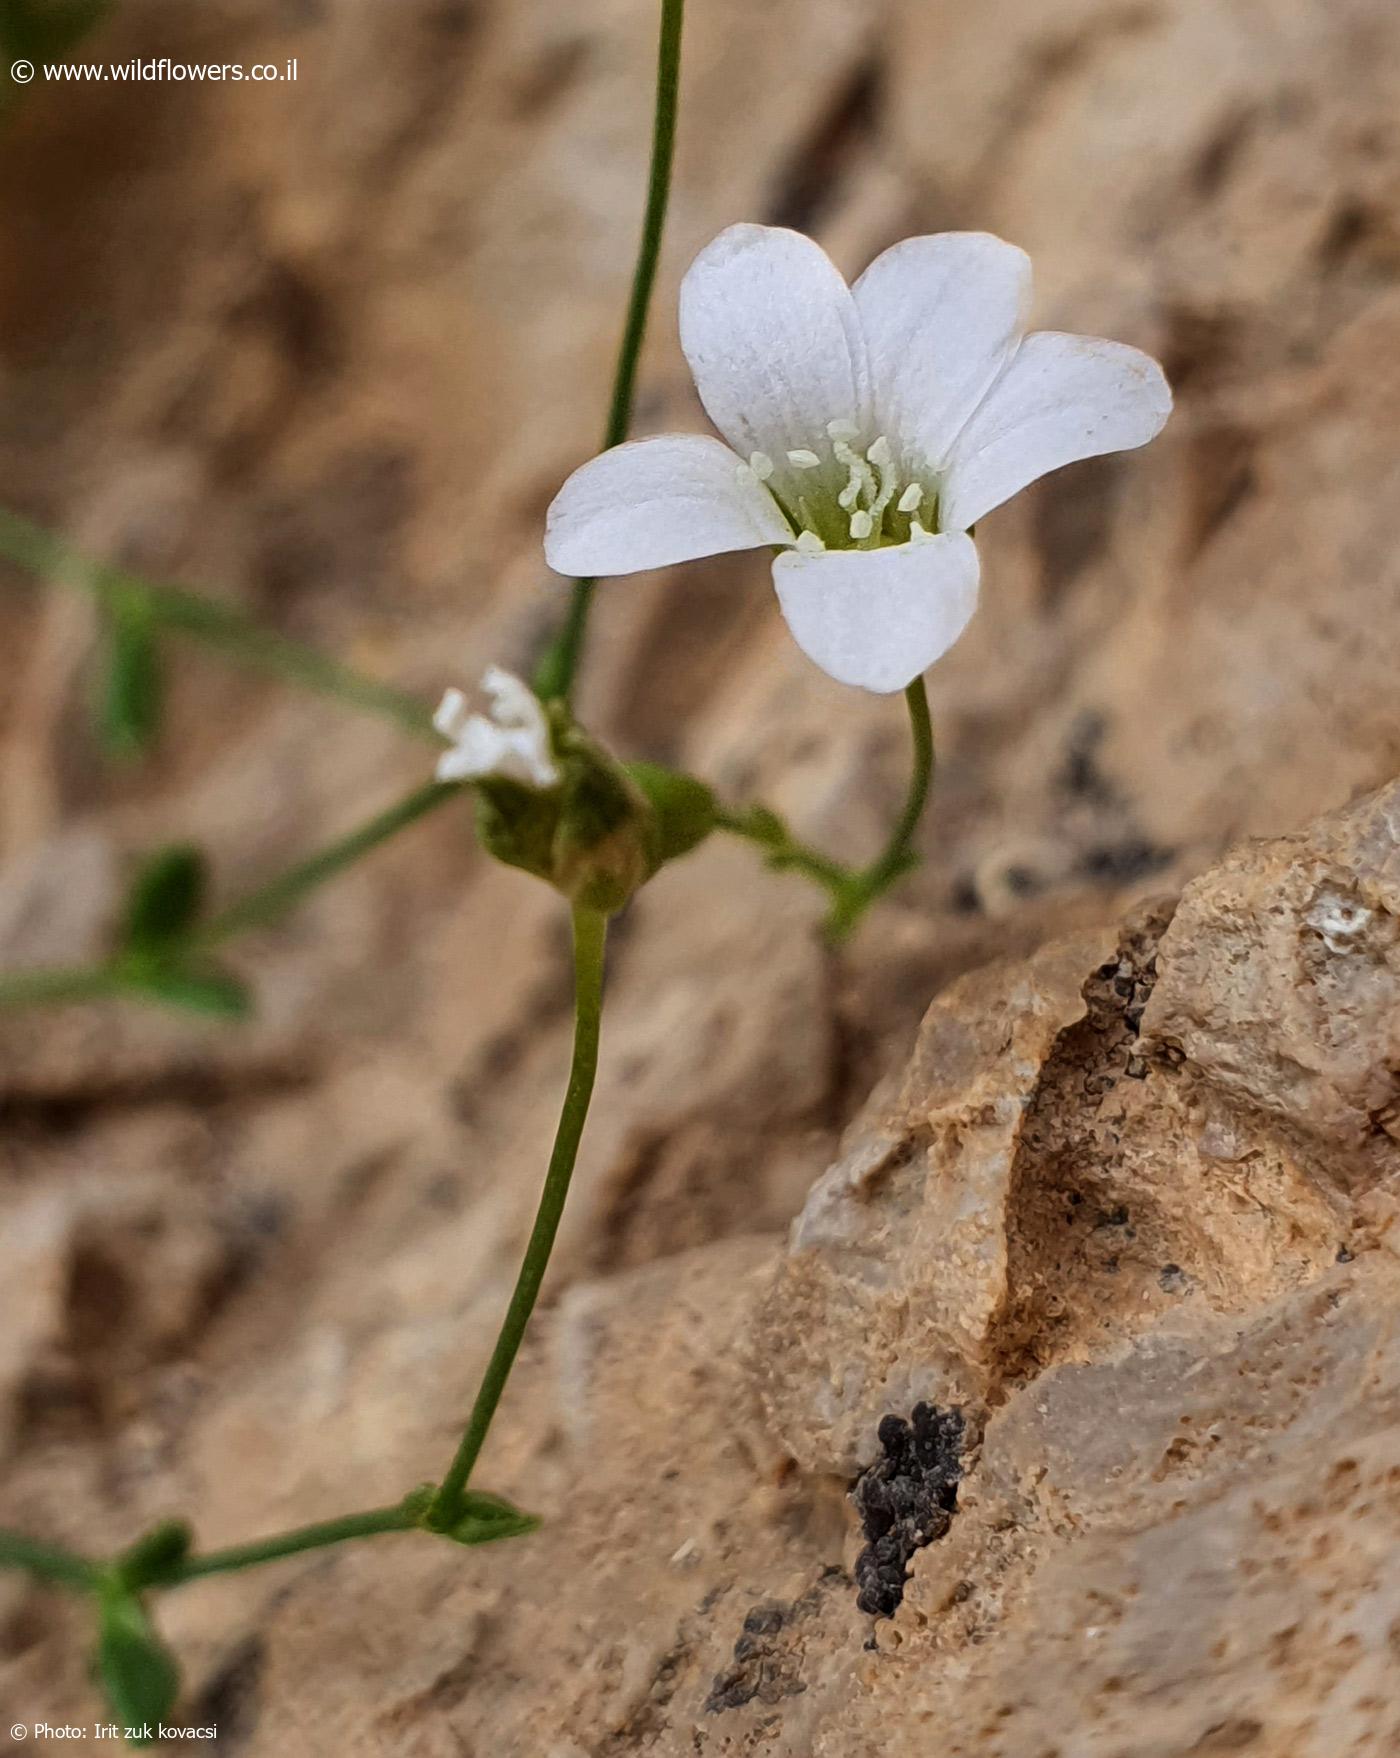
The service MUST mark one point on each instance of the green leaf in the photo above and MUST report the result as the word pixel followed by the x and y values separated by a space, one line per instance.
pixel 153 1556
pixel 485 1518
pixel 133 690
pixel 137 1671
pixel 165 898
pixel 202 988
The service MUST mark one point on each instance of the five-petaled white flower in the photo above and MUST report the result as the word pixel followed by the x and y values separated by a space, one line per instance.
pixel 873 426
pixel 512 743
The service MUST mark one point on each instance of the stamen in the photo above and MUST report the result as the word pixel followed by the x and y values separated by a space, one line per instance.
pixel 862 476
pixel 909 500
pixel 808 543
pixel 842 430
pixel 861 525
pixel 880 455
pixel 917 534
pixel 761 465
pixel 802 459
pixel 850 494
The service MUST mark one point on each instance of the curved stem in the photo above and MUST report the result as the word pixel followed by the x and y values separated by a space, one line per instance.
pixel 205 620
pixel 852 891
pixel 274 899
pixel 48 1562
pixel 590 934
pixel 556 671
pixel 52 987
pixel 898 855
pixel 399 1518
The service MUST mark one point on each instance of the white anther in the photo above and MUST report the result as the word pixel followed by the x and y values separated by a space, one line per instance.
pixel 802 459
pixel 808 543
pixel 917 534
pixel 842 430
pixel 761 465
pixel 861 525
pixel 879 454
pixel 850 494
pixel 910 499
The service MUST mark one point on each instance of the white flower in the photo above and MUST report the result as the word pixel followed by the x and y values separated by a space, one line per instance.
pixel 869 428
pixel 513 743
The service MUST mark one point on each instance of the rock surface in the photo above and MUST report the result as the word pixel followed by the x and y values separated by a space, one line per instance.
pixel 1128 1206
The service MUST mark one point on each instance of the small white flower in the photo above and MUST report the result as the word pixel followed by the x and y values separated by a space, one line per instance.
pixel 512 743
pixel 869 428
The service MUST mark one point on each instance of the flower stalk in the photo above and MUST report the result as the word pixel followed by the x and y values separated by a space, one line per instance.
pixel 590 937
pixel 554 677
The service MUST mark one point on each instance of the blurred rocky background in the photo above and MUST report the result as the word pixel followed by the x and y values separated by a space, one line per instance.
pixel 325 350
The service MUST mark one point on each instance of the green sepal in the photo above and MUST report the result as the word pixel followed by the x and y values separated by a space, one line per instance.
pixel 516 824
pixel 154 1556
pixel 137 1671
pixel 602 847
pixel 133 689
pixel 194 988
pixel 165 898
pixel 485 1518
pixel 684 809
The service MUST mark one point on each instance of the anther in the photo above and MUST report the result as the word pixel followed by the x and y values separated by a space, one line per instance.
pixel 761 465
pixel 842 430
pixel 879 454
pixel 808 543
pixel 802 459
pixel 861 525
pixel 909 500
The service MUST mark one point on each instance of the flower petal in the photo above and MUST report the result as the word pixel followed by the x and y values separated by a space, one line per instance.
pixel 657 501
pixel 941 317
pixel 772 336
pixel 878 617
pixel 1062 398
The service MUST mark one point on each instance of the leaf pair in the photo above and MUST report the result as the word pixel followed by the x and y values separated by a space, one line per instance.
pixel 154 953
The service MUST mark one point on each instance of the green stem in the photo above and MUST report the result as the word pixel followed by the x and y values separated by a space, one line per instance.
pixel 898 854
pixel 400 1518
pixel 279 895
pixel 555 674
pixel 851 891
pixel 590 935
pixel 49 1562
pixel 53 987
pixel 215 625
pixel 50 987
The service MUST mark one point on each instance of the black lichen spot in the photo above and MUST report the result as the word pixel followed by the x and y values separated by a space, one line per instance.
pixel 766 1664
pixel 905 1500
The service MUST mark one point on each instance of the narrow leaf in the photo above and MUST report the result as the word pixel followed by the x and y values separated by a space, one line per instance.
pixel 133 692
pixel 203 988
pixel 485 1518
pixel 138 1672
pixel 165 897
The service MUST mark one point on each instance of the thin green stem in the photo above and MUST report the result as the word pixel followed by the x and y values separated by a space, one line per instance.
pixel 214 625
pixel 53 987
pixel 852 890
pixel 898 855
pixel 273 900
pixel 400 1518
pixel 559 666
pixel 590 936
pixel 49 1562
pixel 782 851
